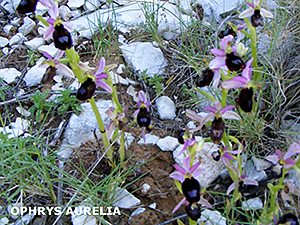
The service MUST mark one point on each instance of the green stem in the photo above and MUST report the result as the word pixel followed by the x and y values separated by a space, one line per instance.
pixel 224 97
pixel 101 126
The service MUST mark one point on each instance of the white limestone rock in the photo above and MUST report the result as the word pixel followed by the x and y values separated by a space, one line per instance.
pixel 75 4
pixel 123 199
pixel 35 74
pixel 7 28
pixel 65 12
pixel 80 129
pixel 167 143
pixel 165 108
pixel 92 5
pixel 261 164
pixel 138 211
pixel 252 173
pixel 35 43
pixel 18 38
pixel 211 217
pixel 252 204
pixel 145 189
pixel 28 25
pixel 50 49
pixel 40 9
pixel 132 92
pixel 143 56
pixel 150 140
pixel 212 168
pixel 3 42
pixel 9 74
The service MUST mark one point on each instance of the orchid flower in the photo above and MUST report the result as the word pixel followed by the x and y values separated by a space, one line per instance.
pixel 98 73
pixel 195 117
pixel 117 120
pixel 226 155
pixel 184 173
pixel 285 160
pixel 243 81
pixel 142 114
pixel 239 178
pixel 189 140
pixel 219 112
pixel 54 13
pixel 59 66
pixel 256 12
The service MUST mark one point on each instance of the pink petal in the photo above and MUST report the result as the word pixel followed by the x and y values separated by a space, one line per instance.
pixel 144 134
pixel 273 159
pixel 180 169
pixel 142 96
pixel 231 187
pixel 229 84
pixel 51 21
pixel 218 52
pixel 198 171
pixel 178 205
pixel 256 2
pixel 67 26
pixel 231 115
pixel 186 163
pixel 205 203
pixel 103 85
pixel 248 181
pixel 211 109
pixel 216 78
pixel 225 41
pixel 193 115
pixel 252 5
pixel 49 33
pixel 246 13
pixel 226 108
pixel 47 55
pixel 217 105
pixel 110 112
pixel 194 167
pixel 65 70
pixel 177 176
pixel 279 153
pixel 228 156
pixel 235 152
pixel 217 63
pixel 59 54
pixel 225 160
pixel 266 13
pixel 247 70
pixel 101 76
pixel 289 163
pixel 101 66
pixel 207 118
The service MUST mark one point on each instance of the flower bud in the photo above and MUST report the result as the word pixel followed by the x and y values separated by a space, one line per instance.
pixel 240 49
pixel 62 38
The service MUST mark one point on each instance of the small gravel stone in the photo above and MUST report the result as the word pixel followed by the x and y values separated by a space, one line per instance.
pixel 3 42
pixel 35 43
pixel 27 26
pixel 165 107
pixel 167 143
pixel 138 211
pixel 18 38
pixel 252 204
pixel 9 74
pixel 150 140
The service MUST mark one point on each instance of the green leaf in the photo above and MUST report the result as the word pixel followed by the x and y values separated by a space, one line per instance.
pixel 63 108
pixel 179 222
pixel 178 185
pixel 38 115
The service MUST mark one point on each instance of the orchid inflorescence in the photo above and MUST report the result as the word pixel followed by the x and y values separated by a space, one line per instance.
pixel 223 72
pixel 90 78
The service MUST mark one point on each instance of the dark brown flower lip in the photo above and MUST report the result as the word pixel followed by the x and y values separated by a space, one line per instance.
pixel 26 6
pixel 86 90
pixel 62 38
pixel 191 189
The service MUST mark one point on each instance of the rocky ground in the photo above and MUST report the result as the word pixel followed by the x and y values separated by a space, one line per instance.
pixel 122 38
